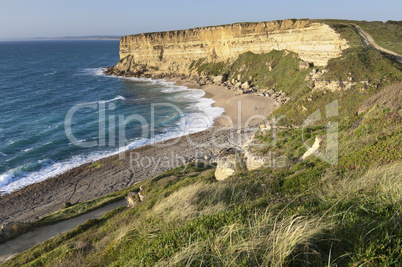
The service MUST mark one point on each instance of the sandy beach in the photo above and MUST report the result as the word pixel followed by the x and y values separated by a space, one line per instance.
pixel 241 111
pixel 119 171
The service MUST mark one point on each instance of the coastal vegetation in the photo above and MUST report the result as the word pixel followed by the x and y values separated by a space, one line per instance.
pixel 308 212
pixel 264 217
pixel 387 35
pixel 277 70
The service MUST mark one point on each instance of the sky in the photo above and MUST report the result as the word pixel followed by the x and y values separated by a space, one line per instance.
pixel 57 18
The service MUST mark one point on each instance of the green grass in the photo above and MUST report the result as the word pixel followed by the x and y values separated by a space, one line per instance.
pixel 305 213
pixel 285 75
pixel 387 35
pixel 376 141
pixel 68 213
pixel 264 217
pixel 363 64
pixel 154 68
pixel 308 212
pixel 95 165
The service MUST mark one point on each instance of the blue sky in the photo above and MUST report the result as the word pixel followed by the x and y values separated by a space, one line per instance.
pixel 54 18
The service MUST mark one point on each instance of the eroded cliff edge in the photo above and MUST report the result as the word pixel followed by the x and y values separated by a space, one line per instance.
pixel 173 52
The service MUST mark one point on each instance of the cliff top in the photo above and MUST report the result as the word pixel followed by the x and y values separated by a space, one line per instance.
pixel 387 34
pixel 280 23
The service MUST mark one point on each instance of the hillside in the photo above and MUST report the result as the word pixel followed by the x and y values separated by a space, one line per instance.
pixel 309 210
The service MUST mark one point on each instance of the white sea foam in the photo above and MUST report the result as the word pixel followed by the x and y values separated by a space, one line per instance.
pixel 175 89
pixel 5 179
pixel 54 169
pixel 99 71
pixel 51 73
pixel 199 119
pixel 48 170
pixel 93 71
pixel 119 97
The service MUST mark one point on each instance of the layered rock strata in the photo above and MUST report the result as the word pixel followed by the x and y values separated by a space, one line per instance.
pixel 173 52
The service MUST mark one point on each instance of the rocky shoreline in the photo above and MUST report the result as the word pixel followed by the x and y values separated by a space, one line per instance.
pixel 107 175
pixel 234 85
pixel 113 173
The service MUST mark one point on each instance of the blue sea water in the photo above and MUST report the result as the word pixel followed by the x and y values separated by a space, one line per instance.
pixel 45 85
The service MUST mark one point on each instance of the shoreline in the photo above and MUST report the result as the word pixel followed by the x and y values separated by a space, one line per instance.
pixel 243 110
pixel 88 159
pixel 84 182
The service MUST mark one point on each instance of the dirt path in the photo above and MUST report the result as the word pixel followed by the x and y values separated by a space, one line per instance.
pixel 368 40
pixel 33 238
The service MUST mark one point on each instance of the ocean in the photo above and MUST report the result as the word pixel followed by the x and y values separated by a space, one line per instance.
pixel 58 110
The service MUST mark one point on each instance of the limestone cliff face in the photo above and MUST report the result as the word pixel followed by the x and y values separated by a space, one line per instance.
pixel 174 51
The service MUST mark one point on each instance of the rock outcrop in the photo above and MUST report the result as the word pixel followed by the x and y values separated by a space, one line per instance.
pixel 173 52
pixel 312 149
pixel 229 160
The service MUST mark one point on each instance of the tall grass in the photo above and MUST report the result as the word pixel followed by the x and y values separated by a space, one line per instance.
pixel 265 240
pixel 189 202
pixel 345 218
pixel 384 182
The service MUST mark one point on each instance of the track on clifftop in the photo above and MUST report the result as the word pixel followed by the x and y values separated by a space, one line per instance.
pixel 369 42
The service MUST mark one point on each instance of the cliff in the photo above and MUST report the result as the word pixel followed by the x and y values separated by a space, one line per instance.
pixel 294 206
pixel 173 52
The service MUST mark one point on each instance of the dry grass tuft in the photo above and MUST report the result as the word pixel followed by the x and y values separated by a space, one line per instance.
pixel 184 203
pixel 266 240
pixel 385 181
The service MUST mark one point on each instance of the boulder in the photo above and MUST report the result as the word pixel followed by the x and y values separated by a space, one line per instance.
pixel 202 81
pixel 220 79
pixel 245 86
pixel 312 150
pixel 5 229
pixel 265 126
pixel 303 65
pixel 238 92
pixel 228 162
pixel 222 173
pixel 255 161
pixel 252 159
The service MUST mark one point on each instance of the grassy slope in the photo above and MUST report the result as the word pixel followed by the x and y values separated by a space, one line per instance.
pixel 359 63
pixel 387 35
pixel 257 217
pixel 307 212
pixel 284 74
